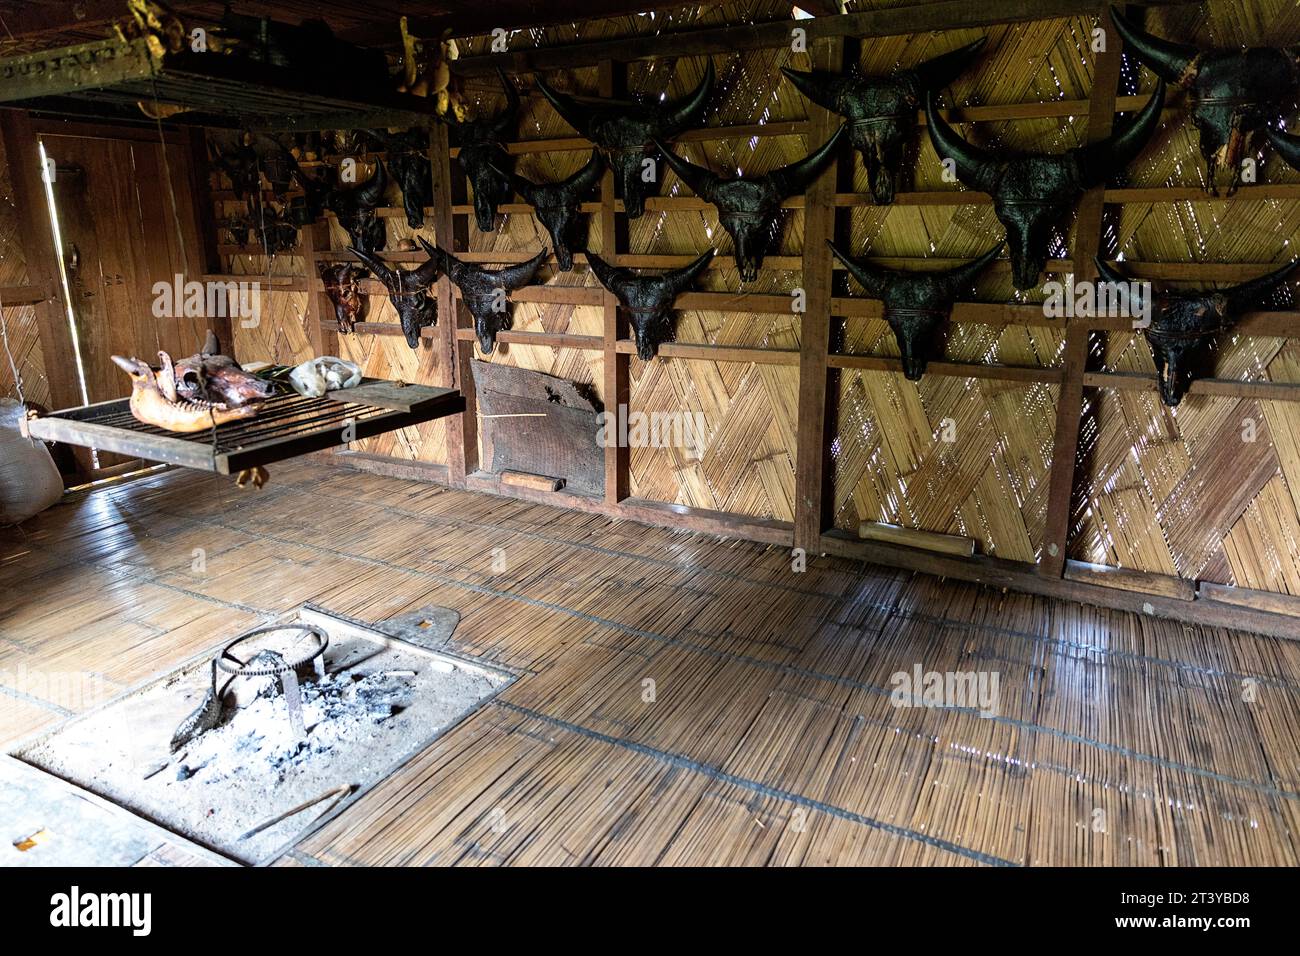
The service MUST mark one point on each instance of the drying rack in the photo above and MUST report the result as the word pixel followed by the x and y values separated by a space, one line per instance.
pixel 288 426
pixel 109 76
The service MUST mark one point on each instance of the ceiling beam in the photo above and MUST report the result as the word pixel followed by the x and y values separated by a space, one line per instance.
pixel 898 21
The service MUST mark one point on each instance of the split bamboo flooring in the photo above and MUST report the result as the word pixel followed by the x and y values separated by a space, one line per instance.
pixel 682 699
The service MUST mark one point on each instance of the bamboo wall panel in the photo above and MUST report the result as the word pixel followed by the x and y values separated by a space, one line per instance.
pixel 20 320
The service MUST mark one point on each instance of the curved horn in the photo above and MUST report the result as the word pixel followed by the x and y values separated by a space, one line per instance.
pixel 505 123
pixel 936 73
pixel 587 176
pixel 1287 146
pixel 872 278
pixel 700 180
pixel 1166 59
pixel 818 86
pixel 372 193
pixel 443 259
pixel 1108 272
pixel 1241 297
pixel 961 277
pixel 974 166
pixel 211 344
pixel 381 269
pixel 524 187
pixel 684 112
pixel 610 277
pixel 428 271
pixel 679 279
pixel 797 177
pixel 166 376
pixel 1098 162
pixel 512 277
pixel 565 105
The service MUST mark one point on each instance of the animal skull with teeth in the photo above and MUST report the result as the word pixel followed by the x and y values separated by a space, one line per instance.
pixel 344 293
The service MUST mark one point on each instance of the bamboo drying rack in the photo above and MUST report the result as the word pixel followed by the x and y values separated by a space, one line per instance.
pixel 288 426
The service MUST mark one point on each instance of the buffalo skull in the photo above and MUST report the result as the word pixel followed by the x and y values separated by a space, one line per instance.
pixel 408 160
pixel 649 299
pixel 344 292
pixel 484 290
pixel 408 290
pixel 1233 93
pixel 482 158
pixel 748 205
pixel 882 110
pixel 356 210
pixel 556 205
pixel 1032 192
pixel 916 303
pixel 626 133
pixel 1181 322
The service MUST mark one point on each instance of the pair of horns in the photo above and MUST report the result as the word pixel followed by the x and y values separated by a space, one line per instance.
pixel 676 117
pixel 790 180
pixel 393 279
pixel 1095 163
pixel 877 279
pixel 575 185
pixel 1239 297
pixel 509 278
pixel 615 278
pixel 824 88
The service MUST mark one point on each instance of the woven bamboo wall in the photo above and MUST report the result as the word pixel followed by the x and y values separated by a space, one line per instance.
pixel 1172 491
pixel 24 341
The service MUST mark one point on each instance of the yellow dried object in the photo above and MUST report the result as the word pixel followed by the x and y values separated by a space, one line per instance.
pixel 426 72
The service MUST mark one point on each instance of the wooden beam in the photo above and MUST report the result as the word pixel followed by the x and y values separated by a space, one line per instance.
pixel 812 455
pixel 322 327
pixel 454 356
pixel 915 18
pixel 617 384
pixel 204 258
pixel 1087 242
pixel 1218 387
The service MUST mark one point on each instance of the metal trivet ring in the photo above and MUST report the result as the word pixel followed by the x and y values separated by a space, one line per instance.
pixel 287 671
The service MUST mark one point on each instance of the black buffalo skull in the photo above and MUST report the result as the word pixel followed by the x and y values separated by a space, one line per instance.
pixel 626 133
pixel 1287 146
pixel 649 299
pixel 748 205
pixel 341 285
pixel 484 290
pixel 482 157
pixel 1234 94
pixel 356 210
pixel 916 303
pixel 408 161
pixel 1182 323
pixel 881 110
pixel 1032 192
pixel 408 290
pixel 556 205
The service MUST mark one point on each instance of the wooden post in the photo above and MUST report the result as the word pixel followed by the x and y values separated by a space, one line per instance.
pixel 324 337
pixel 617 379
pixel 1087 242
pixel 813 453
pixel 452 235
pixel 23 156
pixel 205 259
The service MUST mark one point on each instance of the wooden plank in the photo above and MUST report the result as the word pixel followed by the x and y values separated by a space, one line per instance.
pixel 812 457
pixel 520 479
pixel 400 396
pixel 176 451
pixel 916 538
pixel 1270 601
pixel 914 18
pixel 1129 579
pixel 1003 373
pixel 1144 381
pixel 322 327
pixel 1087 242
pixel 617 382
